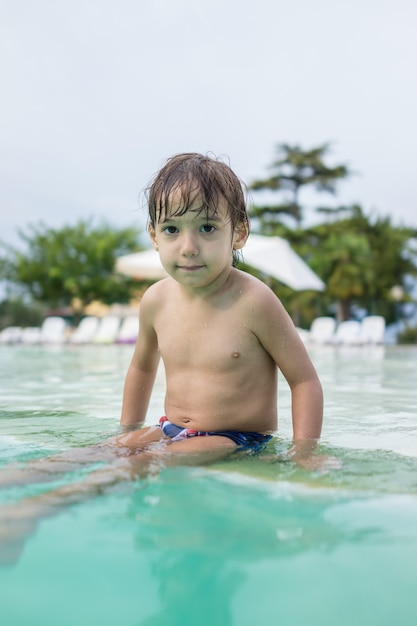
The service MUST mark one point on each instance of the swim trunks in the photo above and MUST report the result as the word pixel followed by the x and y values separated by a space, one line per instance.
pixel 245 440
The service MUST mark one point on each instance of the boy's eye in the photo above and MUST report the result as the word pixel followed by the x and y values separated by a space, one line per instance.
pixel 208 228
pixel 171 230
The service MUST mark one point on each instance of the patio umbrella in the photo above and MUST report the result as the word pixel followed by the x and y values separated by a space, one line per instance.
pixel 275 257
pixel 141 265
pixel 271 255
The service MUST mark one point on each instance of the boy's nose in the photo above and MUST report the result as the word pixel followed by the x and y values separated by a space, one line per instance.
pixel 189 245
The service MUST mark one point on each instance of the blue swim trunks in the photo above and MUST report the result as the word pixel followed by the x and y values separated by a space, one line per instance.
pixel 245 440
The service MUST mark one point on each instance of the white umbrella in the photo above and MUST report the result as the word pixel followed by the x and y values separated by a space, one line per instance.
pixel 271 255
pixel 275 257
pixel 141 265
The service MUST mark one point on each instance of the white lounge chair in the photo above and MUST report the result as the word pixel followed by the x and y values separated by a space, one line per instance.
pixel 128 330
pixel 347 333
pixel 53 330
pixel 108 329
pixel 322 329
pixel 10 334
pixel 372 329
pixel 86 330
pixel 31 335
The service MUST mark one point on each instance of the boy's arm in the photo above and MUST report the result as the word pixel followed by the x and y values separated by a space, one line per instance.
pixel 306 400
pixel 280 338
pixel 307 419
pixel 307 409
pixel 136 396
pixel 142 370
pixel 306 397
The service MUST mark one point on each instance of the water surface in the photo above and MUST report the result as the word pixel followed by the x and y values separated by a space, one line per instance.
pixel 252 540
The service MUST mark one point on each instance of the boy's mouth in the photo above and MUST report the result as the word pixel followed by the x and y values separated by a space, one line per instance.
pixel 190 268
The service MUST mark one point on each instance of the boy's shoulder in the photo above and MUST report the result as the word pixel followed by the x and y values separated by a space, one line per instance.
pixel 252 287
pixel 156 293
pixel 258 299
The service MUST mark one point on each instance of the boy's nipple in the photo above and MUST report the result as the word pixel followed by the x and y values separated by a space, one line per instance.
pixel 236 355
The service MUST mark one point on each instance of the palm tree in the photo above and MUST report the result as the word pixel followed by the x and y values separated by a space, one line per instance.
pixel 294 169
pixel 360 259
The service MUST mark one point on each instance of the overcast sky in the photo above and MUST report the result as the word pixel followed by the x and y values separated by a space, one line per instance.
pixel 96 94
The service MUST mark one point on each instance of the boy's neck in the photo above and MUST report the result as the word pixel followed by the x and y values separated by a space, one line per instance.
pixel 214 290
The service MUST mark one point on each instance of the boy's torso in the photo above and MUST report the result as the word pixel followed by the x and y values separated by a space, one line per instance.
pixel 218 374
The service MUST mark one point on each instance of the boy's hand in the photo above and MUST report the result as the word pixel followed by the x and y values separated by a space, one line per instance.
pixel 303 454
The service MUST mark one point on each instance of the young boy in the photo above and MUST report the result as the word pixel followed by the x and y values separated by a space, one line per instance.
pixel 221 333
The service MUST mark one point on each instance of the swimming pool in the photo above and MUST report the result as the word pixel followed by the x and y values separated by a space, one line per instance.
pixel 241 542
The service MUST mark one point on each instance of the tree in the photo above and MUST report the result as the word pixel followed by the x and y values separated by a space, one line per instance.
pixel 350 269
pixel 72 265
pixel 294 169
pixel 393 260
pixel 361 260
pixel 14 311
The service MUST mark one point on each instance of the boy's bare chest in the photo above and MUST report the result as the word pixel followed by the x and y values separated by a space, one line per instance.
pixel 213 339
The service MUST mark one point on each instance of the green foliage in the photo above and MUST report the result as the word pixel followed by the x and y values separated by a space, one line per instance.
pixel 408 335
pixel 294 169
pixel 72 264
pixel 16 312
pixel 360 260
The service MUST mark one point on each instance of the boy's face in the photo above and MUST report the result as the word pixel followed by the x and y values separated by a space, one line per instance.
pixel 196 248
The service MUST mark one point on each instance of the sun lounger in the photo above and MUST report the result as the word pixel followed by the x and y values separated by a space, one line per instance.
pixel 108 329
pixel 128 330
pixel 85 331
pixel 53 330
pixel 372 329
pixel 322 330
pixel 31 335
pixel 347 333
pixel 10 335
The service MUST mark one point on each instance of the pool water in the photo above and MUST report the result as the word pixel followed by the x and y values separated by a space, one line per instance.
pixel 252 540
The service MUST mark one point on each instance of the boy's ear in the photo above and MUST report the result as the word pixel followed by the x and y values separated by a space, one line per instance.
pixel 241 235
pixel 152 235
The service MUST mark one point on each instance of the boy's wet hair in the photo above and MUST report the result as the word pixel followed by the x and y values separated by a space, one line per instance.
pixel 188 176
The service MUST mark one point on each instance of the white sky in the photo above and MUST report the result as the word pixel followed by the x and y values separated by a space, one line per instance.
pixel 96 94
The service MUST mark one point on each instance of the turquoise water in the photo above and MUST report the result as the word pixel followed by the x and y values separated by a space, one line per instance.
pixel 253 540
